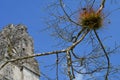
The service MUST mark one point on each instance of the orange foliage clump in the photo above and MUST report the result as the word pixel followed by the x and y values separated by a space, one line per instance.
pixel 89 18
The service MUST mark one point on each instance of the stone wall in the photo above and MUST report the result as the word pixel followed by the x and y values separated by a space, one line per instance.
pixel 15 42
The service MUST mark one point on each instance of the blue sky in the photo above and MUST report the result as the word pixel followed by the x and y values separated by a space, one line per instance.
pixel 33 14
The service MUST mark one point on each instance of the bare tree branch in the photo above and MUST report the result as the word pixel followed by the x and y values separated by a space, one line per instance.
pixel 106 54
pixel 78 41
pixel 31 56
pixel 62 6
pixel 69 65
pixel 57 62
pixel 77 36
pixel 76 63
pixel 101 6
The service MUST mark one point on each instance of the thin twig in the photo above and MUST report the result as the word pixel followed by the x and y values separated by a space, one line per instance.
pixel 92 71
pixel 111 12
pixel 75 55
pixel 106 55
pixel 78 41
pixel 45 76
pixel 62 6
pixel 77 36
pixel 92 4
pixel 72 68
pixel 57 61
pixel 101 6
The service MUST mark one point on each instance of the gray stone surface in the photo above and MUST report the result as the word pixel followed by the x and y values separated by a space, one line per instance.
pixel 15 42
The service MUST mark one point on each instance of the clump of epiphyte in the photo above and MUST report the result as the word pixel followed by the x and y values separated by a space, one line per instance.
pixel 91 19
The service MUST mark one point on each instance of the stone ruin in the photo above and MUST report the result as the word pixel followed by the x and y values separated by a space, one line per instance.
pixel 15 42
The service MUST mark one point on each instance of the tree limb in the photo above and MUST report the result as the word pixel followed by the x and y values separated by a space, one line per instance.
pixel 106 55
pixel 101 6
pixel 31 56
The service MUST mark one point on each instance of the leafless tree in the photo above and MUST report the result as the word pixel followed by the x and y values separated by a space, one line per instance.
pixel 78 28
